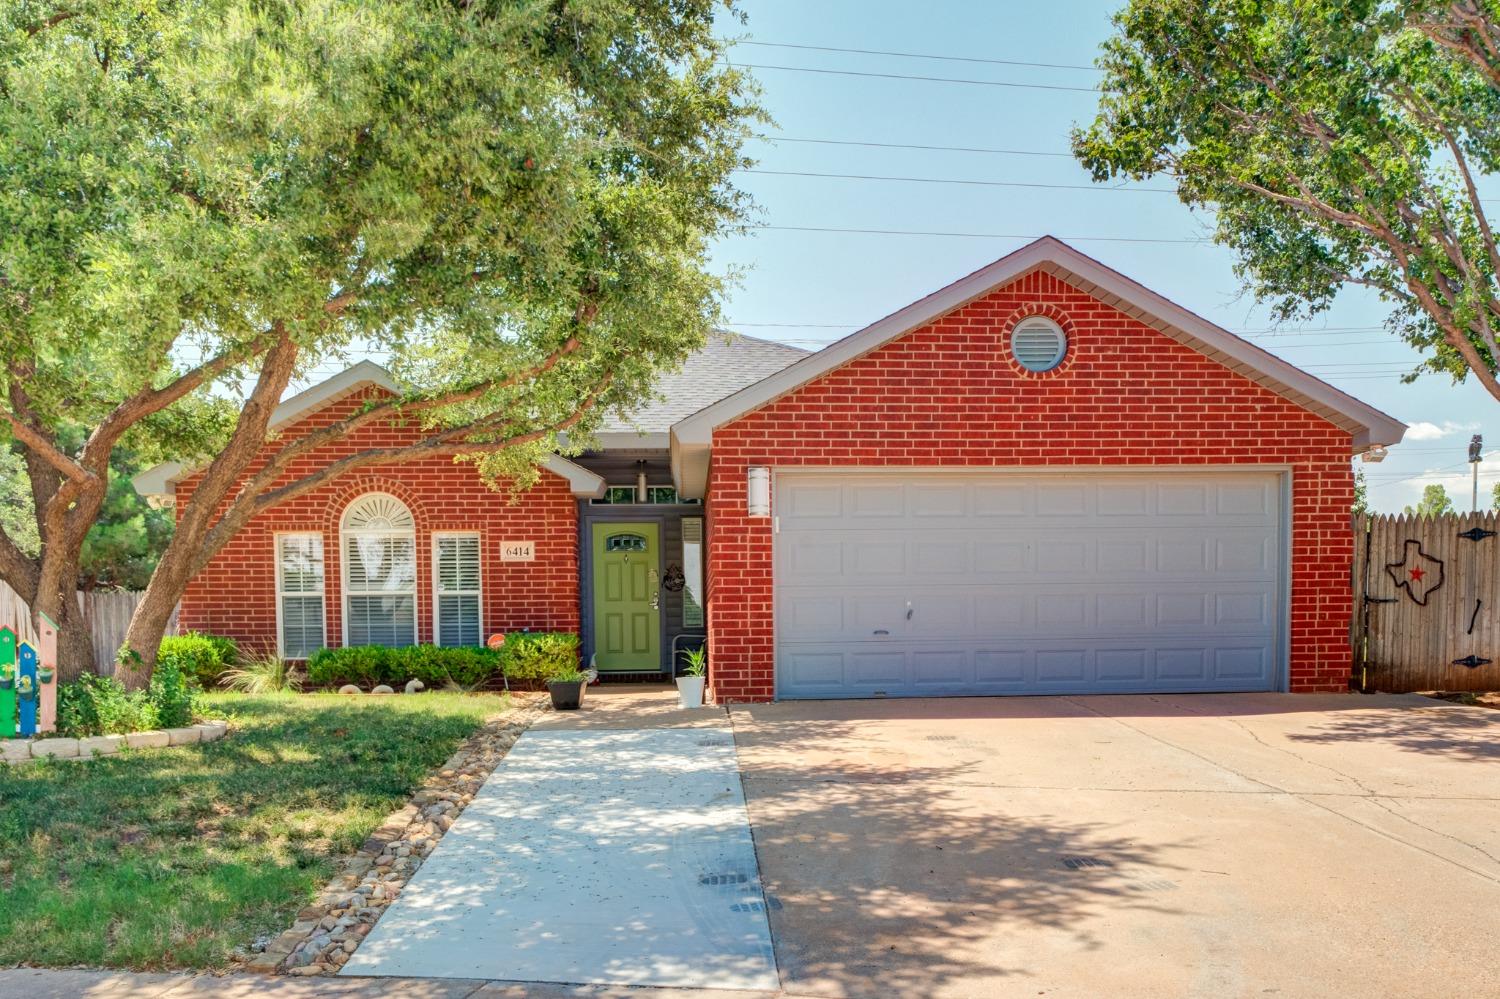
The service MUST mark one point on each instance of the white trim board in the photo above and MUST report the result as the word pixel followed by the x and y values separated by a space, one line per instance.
pixel 692 438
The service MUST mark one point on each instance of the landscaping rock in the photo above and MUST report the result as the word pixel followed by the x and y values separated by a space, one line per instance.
pixel 15 750
pixel 212 731
pixel 349 905
pixel 350 688
pixel 63 749
pixel 183 736
pixel 100 745
pixel 148 740
pixel 382 689
pixel 412 686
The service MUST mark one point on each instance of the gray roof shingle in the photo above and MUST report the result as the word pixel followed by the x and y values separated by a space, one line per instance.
pixel 726 364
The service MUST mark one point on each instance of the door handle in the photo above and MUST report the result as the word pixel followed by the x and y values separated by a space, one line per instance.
pixel 653 579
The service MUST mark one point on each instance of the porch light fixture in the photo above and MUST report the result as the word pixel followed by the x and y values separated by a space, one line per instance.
pixel 758 491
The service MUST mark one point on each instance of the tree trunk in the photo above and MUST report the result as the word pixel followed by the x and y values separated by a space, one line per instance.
pixel 149 623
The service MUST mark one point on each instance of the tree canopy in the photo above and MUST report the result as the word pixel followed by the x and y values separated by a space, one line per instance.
pixel 511 200
pixel 1434 502
pixel 1338 143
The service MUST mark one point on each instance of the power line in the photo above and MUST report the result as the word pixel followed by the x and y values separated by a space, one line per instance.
pixel 924 79
pixel 905 145
pixel 966 235
pixel 917 55
pixel 951 180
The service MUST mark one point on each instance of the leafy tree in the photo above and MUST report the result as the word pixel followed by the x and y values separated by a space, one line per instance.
pixel 120 549
pixel 1434 502
pixel 205 198
pixel 1339 142
pixel 1496 502
pixel 1361 494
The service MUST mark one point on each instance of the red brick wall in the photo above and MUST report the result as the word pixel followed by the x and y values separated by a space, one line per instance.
pixel 950 394
pixel 235 594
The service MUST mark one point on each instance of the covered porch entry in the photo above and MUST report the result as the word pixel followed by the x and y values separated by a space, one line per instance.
pixel 641 568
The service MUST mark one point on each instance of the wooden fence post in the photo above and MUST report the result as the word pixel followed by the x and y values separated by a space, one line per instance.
pixel 47 675
pixel 26 689
pixel 7 683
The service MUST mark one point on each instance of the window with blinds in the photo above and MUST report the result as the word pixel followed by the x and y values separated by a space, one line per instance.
pixel 455 566
pixel 380 572
pixel 299 594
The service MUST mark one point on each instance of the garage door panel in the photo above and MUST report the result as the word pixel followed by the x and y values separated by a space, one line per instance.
pixel 1248 663
pixel 937 501
pixel 949 668
pixel 1026 583
pixel 877 668
pixel 1182 664
pixel 1061 666
pixel 812 558
pixel 1122 665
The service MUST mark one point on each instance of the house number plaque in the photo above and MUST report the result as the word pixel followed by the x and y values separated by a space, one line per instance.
pixel 518 551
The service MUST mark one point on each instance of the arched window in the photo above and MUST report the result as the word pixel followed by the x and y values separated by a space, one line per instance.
pixel 379 545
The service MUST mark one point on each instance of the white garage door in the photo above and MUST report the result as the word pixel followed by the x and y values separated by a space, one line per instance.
pixel 922 584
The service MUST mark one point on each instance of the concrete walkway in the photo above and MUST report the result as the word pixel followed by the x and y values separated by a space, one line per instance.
pixel 37 983
pixel 611 846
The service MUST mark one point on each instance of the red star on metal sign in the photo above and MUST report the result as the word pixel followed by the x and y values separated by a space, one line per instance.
pixel 1418 573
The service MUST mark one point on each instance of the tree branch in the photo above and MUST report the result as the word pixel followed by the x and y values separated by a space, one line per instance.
pixel 249 503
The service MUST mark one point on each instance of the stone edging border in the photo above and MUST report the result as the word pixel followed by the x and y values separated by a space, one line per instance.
pixel 329 930
pixel 13 751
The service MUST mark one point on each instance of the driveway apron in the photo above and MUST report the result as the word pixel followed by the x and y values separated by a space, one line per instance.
pixel 594 854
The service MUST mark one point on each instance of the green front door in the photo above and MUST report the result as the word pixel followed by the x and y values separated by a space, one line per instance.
pixel 627 597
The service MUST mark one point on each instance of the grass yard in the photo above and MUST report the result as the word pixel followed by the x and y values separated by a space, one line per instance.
pixel 171 858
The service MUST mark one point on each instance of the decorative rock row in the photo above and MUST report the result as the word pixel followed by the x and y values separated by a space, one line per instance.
pixel 27 750
pixel 327 932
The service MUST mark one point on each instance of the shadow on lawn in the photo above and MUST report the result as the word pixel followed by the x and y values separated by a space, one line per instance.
pixel 171 858
pixel 903 879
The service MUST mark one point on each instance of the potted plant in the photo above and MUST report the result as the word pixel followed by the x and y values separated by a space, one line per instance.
pixel 566 687
pixel 44 674
pixel 7 676
pixel 690 683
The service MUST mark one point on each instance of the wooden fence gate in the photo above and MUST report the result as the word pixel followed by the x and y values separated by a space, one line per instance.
pixel 1427 602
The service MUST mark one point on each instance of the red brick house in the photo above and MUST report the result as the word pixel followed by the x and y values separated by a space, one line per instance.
pixel 1043 478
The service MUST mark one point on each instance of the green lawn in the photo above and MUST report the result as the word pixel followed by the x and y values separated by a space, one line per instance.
pixel 171 858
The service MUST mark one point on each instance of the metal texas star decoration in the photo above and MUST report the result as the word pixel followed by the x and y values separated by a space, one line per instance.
pixel 1418 573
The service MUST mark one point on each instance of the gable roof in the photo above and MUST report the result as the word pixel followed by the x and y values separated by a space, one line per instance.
pixel 161 480
pixel 727 363
pixel 692 437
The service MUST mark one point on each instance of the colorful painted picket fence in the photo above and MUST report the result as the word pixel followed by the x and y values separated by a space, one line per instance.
pixel 28 683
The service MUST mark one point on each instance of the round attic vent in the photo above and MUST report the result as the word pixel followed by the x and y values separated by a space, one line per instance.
pixel 1038 344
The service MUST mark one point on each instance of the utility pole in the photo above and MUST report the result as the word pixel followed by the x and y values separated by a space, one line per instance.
pixel 1476 446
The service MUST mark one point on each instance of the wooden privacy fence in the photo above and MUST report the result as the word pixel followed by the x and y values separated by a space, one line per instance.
pixel 1427 602
pixel 107 613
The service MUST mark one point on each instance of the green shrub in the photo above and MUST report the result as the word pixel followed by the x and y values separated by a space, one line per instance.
pixel 367 665
pixel 100 705
pixel 540 655
pixel 202 657
pixel 172 694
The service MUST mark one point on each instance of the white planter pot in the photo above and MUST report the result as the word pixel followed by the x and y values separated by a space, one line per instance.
pixel 690 691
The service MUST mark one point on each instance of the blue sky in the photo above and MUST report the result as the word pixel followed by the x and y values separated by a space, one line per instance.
pixel 810 288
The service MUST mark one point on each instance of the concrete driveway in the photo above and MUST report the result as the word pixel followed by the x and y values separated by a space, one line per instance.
pixel 1209 845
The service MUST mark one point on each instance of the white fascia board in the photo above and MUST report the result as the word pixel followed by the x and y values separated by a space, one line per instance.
pixel 160 481
pixel 582 482
pixel 1367 425
pixel 329 391
pixel 632 440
